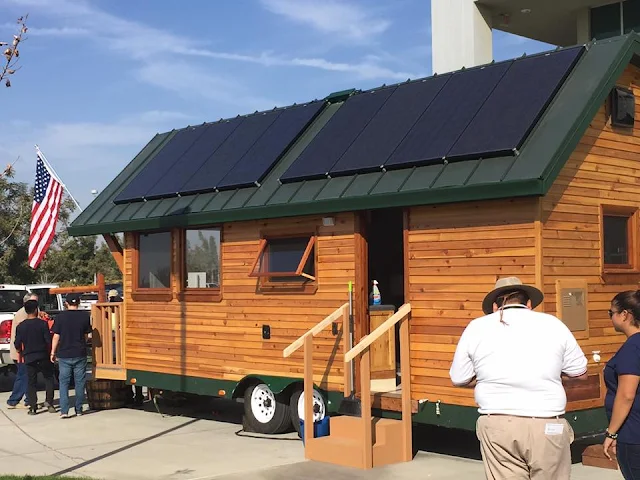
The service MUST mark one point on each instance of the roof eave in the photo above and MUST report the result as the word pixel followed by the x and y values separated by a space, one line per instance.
pixel 492 191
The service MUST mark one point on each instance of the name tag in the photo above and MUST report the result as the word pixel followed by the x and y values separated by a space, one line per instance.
pixel 553 429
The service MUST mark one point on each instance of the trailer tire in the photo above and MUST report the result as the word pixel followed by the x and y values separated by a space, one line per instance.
pixel 296 406
pixel 265 412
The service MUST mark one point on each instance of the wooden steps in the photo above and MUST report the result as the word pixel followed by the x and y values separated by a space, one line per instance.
pixel 346 445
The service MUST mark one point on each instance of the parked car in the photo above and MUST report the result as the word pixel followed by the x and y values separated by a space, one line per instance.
pixel 11 299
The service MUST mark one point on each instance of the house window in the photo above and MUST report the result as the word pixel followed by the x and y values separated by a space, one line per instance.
pixel 286 260
pixel 606 21
pixel 201 276
pixel 615 19
pixel 154 261
pixel 618 238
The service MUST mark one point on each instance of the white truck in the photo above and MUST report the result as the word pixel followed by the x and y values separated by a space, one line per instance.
pixel 11 298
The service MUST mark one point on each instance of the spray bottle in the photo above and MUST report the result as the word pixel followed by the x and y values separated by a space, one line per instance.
pixel 375 297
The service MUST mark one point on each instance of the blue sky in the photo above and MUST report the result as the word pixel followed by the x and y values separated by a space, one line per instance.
pixel 99 78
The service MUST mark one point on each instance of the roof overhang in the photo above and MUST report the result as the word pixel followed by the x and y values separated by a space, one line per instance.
pixel 530 18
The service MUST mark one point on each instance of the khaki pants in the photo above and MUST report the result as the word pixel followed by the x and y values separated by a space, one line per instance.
pixel 525 447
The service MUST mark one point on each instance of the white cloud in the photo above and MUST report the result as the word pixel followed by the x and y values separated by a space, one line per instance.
pixel 58 32
pixel 330 16
pixel 188 80
pixel 140 42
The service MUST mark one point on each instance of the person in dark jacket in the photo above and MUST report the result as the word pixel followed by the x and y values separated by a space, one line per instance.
pixel 70 332
pixel 33 343
pixel 622 377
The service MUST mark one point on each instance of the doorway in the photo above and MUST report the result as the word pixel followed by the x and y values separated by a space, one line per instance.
pixel 385 264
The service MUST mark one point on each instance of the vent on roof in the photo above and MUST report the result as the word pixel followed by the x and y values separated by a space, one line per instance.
pixel 622 107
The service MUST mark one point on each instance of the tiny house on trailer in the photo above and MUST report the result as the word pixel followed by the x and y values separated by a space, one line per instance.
pixel 241 237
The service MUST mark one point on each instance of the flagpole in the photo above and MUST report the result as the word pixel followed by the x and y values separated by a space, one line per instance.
pixel 46 162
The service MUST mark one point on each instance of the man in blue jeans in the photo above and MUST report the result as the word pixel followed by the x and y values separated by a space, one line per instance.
pixel 70 347
pixel 21 381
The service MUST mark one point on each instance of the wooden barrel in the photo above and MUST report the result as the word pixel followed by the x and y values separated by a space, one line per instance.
pixel 108 394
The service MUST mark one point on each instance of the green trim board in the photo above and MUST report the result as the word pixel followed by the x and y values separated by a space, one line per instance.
pixel 530 173
pixel 585 423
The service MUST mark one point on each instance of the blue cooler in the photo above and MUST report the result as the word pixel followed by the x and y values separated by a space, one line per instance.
pixel 320 428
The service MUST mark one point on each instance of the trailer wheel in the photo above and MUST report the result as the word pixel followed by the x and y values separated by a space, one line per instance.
pixel 296 405
pixel 264 411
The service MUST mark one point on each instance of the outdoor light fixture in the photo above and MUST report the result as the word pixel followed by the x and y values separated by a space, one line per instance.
pixel 328 221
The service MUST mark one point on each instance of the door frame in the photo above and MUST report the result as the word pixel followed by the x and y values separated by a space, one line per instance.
pixel 361 284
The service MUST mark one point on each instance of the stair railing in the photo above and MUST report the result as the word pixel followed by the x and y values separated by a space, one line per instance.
pixel 107 339
pixel 306 341
pixel 362 350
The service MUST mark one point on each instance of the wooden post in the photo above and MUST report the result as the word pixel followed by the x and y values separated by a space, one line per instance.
pixel 115 327
pixel 308 391
pixel 365 387
pixel 348 388
pixel 96 323
pixel 405 372
pixel 116 250
pixel 102 294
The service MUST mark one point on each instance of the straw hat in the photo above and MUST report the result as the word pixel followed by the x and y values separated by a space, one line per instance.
pixel 508 284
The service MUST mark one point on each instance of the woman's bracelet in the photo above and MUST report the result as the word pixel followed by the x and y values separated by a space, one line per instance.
pixel 612 436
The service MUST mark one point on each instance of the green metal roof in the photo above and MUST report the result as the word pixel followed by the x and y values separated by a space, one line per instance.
pixel 532 172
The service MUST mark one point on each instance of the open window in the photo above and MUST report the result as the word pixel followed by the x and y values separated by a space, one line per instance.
pixel 200 264
pixel 619 239
pixel 285 262
pixel 152 267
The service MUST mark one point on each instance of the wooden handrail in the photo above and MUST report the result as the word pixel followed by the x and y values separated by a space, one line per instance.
pixel 367 340
pixel 315 330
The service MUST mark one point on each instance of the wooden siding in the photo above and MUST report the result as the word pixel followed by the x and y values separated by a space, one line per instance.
pixel 602 171
pixel 223 340
pixel 455 254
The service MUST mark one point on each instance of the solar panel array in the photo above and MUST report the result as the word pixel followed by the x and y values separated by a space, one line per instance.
pixel 481 112
pixel 232 153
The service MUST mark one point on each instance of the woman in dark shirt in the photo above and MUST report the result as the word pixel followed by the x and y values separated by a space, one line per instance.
pixel 621 376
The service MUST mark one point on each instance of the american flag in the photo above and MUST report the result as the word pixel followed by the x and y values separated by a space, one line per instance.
pixel 44 212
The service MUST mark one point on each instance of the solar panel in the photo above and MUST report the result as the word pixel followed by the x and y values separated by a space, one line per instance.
pixel 212 138
pixel 207 177
pixel 390 125
pixel 159 165
pixel 515 105
pixel 337 135
pixel 443 122
pixel 264 154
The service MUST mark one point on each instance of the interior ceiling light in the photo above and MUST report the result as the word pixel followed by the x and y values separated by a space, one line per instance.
pixel 525 10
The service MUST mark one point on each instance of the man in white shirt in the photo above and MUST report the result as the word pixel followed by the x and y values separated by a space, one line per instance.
pixel 515 358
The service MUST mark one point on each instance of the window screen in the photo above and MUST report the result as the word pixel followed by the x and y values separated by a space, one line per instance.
pixel 154 267
pixel 616 239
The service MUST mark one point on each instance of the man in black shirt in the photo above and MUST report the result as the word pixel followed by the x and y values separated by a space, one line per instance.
pixel 33 343
pixel 70 343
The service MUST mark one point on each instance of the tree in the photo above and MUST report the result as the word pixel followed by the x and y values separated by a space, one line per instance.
pixel 12 53
pixel 75 261
pixel 15 213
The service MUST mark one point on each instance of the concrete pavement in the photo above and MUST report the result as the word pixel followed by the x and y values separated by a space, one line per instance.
pixel 205 442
